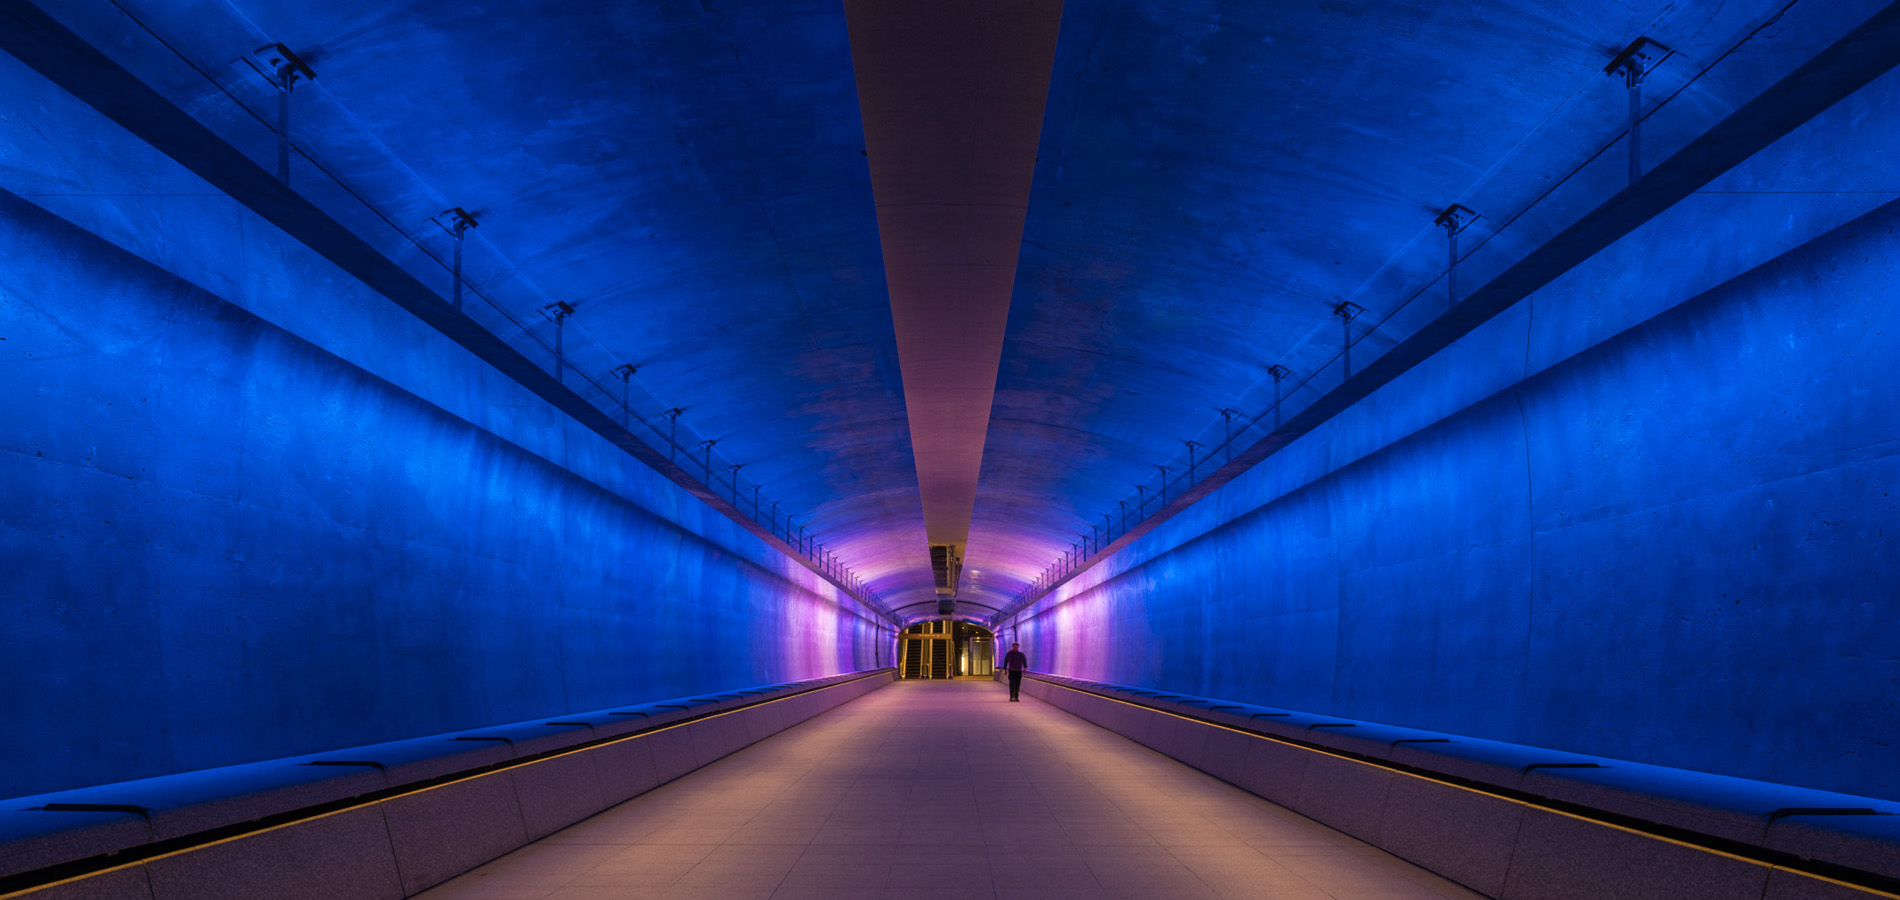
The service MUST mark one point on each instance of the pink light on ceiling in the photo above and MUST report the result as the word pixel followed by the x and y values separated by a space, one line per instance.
pixel 952 93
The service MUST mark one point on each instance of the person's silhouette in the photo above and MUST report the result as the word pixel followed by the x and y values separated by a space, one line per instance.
pixel 1014 662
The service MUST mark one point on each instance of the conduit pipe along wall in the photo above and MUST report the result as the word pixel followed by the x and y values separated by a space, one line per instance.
pixel 224 543
pixel 1669 547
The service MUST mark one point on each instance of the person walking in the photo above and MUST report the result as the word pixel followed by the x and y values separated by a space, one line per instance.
pixel 1014 662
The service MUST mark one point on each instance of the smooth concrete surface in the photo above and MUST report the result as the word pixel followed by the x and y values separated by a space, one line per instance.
pixel 746 207
pixel 1641 831
pixel 344 855
pixel 972 75
pixel 1666 548
pixel 377 846
pixel 928 790
pixel 242 547
pixel 1192 228
pixel 260 510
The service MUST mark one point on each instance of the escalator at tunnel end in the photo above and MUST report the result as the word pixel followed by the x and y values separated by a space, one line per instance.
pixel 945 649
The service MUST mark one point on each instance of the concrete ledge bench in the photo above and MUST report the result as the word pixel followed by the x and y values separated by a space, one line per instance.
pixel 385 820
pixel 1513 821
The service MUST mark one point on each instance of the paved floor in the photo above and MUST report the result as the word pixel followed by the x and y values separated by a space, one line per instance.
pixel 926 790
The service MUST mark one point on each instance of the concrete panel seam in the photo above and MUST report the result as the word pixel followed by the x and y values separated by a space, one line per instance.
pixel 1517 836
pixel 401 877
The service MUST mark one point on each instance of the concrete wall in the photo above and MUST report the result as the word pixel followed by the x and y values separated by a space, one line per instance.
pixel 224 543
pixel 1673 547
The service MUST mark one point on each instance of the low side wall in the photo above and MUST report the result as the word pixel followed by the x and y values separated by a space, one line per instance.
pixel 1518 822
pixel 383 821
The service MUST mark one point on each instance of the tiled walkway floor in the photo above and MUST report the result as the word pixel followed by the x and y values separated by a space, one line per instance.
pixel 927 790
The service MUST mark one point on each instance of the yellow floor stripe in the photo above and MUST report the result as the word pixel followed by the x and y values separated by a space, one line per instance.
pixel 1872 892
pixel 408 793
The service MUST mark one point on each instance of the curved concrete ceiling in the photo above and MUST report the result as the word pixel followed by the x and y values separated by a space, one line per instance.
pixel 911 300
pixel 1216 178
pixel 952 94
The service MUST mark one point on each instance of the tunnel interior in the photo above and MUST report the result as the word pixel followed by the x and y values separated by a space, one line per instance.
pixel 1512 371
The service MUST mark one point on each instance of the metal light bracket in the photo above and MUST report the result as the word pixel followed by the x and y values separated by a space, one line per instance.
pixel 1345 312
pixel 1280 373
pixel 625 373
pixel 282 69
pixel 455 220
pixel 1636 61
pixel 1640 58
pixel 557 312
pixel 279 67
pixel 1456 219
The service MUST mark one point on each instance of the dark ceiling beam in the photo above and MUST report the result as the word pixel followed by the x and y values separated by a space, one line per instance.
pixel 35 38
pixel 951 93
pixel 1848 65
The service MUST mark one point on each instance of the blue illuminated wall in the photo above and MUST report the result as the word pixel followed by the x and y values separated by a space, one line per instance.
pixel 223 543
pixel 1674 547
